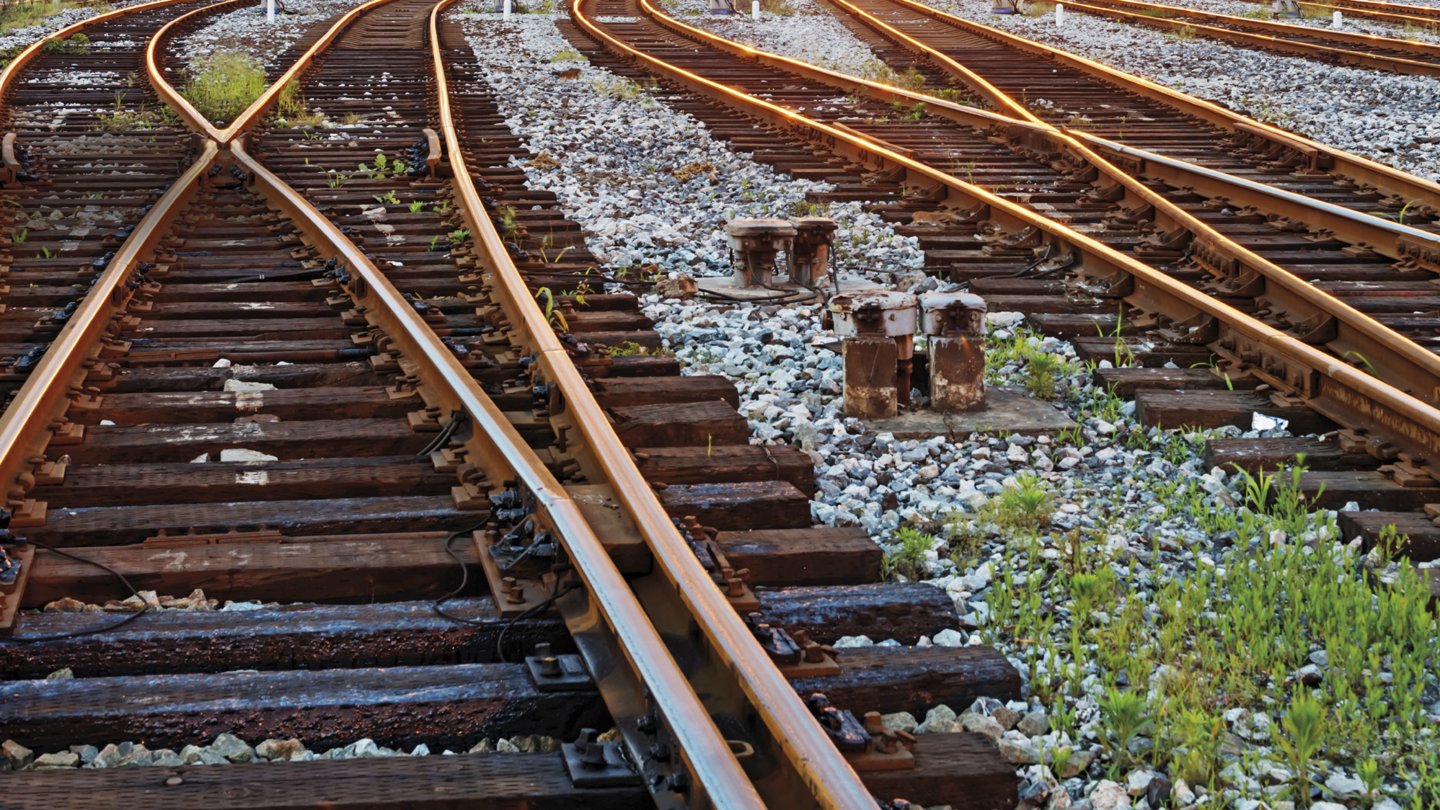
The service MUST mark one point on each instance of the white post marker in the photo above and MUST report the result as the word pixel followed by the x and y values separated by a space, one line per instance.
pixel 755 10
pixel 1336 20
pixel 505 10
pixel 1059 14
pixel 270 11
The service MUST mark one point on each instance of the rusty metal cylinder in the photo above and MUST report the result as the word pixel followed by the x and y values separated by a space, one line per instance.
pixel 954 324
pixel 754 242
pixel 878 328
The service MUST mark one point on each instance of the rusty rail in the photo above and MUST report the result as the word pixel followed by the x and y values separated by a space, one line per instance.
pixel 24 433
pixel 817 771
pixel 25 57
pixel 26 426
pixel 1376 10
pixel 1390 356
pixel 252 114
pixel 1273 36
pixel 1333 388
pixel 1336 161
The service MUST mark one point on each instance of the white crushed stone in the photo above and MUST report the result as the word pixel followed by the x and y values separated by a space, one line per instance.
pixel 1384 117
pixel 811 34
pixel 1104 479
pixel 623 187
pixel 248 30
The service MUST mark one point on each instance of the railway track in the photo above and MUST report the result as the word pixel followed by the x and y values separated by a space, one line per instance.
pixel 802 100
pixel 1141 135
pixel 1399 13
pixel 95 147
pixel 1340 47
pixel 272 403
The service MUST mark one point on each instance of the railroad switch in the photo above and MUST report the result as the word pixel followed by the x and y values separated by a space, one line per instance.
pixel 593 763
pixel 954 324
pixel 878 330
pixel 810 253
pixel 756 242
pixel 1285 8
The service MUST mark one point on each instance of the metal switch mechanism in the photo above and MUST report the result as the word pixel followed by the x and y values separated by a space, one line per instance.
pixel 878 330
pixel 756 242
pixel 954 324
pixel 810 254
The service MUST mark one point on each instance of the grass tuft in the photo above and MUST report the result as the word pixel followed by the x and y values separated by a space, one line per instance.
pixel 223 84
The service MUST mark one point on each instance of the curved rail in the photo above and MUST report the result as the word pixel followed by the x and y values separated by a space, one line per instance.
pixel 26 426
pixel 25 57
pixel 1331 387
pixel 1387 179
pixel 1344 47
pixel 1391 356
pixel 257 108
pixel 497 441
pixel 25 430
pixel 814 759
pixel 824 773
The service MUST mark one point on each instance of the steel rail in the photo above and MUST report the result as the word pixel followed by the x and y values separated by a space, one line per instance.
pixel 1391 356
pixel 1394 359
pixel 1387 179
pixel 25 57
pixel 1333 388
pixel 823 770
pixel 1393 12
pixel 25 430
pixel 1280 26
pixel 23 434
pixel 1214 29
pixel 28 423
pixel 507 456
pixel 718 778
pixel 252 113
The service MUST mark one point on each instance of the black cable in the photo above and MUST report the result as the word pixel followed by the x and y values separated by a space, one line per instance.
pixel 465 580
pixel 529 612
pixel 78 633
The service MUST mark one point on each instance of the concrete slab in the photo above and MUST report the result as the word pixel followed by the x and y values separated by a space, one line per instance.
pixel 1006 411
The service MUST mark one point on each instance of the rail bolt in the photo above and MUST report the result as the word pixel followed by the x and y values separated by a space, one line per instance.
pixel 756 241
pixel 955 325
pixel 810 256
pixel 878 329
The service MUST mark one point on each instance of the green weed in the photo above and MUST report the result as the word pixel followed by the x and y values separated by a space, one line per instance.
pixel 223 84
